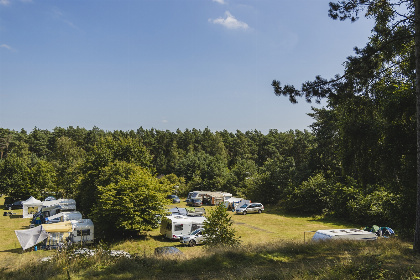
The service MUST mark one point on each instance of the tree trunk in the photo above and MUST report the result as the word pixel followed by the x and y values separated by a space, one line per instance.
pixel 416 245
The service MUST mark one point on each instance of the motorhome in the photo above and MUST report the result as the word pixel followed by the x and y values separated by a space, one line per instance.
pixel 173 227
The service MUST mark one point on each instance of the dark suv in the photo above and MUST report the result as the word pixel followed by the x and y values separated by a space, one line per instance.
pixel 14 205
pixel 250 208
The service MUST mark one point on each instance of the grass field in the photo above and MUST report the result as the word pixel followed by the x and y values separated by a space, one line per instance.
pixel 272 248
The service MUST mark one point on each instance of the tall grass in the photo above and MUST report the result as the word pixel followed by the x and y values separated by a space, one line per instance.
pixel 381 259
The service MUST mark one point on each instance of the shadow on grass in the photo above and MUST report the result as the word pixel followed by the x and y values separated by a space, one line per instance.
pixel 14 251
pixel 312 218
pixel 15 216
pixel 322 260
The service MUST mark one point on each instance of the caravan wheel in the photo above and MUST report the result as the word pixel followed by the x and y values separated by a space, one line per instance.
pixel 191 243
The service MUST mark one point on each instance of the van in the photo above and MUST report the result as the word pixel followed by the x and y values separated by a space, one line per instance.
pixel 173 227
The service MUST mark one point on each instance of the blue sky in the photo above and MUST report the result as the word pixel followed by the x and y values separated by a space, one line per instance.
pixel 165 64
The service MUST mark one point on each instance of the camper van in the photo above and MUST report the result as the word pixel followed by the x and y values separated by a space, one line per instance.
pixel 173 227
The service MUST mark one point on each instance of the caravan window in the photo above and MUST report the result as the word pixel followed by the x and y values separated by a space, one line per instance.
pixel 83 232
pixel 179 227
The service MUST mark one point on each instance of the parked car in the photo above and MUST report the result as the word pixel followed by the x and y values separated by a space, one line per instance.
pixel 196 202
pixel 250 208
pixel 194 238
pixel 167 250
pixel 14 205
pixel 175 198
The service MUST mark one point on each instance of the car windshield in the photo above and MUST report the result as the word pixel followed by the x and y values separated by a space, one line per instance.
pixel 195 232
pixel 244 206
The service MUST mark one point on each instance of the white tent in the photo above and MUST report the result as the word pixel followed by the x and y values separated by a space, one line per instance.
pixel 30 237
pixel 31 202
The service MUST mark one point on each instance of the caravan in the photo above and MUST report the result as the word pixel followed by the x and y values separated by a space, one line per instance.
pixel 63 217
pixel 207 197
pixel 174 227
pixel 53 207
pixel 61 233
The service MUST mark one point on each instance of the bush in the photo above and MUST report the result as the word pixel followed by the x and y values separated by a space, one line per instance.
pixel 218 228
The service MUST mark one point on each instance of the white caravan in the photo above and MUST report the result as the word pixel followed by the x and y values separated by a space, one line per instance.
pixel 53 207
pixel 64 216
pixel 173 227
pixel 83 231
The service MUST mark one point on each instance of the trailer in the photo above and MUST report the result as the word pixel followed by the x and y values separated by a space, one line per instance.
pixel 208 197
pixel 53 207
pixel 69 232
pixel 173 227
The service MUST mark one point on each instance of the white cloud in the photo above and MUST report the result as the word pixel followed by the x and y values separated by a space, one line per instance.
pixel 5 2
pixel 7 47
pixel 57 14
pixel 220 1
pixel 230 22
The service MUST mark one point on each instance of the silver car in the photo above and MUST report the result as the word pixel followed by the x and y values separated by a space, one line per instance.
pixel 250 208
pixel 194 238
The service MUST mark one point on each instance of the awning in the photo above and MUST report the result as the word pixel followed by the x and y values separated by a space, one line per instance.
pixel 58 227
pixel 30 237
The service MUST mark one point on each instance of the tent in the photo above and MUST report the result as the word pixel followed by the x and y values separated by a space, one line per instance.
pixel 30 237
pixel 31 203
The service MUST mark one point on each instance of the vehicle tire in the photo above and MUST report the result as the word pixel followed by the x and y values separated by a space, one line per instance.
pixel 259 211
pixel 244 212
pixel 191 243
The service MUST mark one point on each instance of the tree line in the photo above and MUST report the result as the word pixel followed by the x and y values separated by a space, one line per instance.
pixel 124 176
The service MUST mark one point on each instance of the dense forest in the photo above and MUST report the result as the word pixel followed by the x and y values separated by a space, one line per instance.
pixel 349 169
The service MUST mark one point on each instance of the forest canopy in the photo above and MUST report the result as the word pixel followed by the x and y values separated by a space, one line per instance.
pixel 303 172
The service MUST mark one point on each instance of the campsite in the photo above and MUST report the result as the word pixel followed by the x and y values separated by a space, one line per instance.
pixel 257 232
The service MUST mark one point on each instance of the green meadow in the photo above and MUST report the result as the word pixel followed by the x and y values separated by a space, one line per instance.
pixel 273 246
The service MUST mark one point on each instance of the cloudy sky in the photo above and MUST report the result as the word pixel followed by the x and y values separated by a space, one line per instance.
pixel 165 64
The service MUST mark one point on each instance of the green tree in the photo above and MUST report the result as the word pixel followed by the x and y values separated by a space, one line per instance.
pixel 106 151
pixel 388 64
pixel 15 177
pixel 43 179
pixel 129 200
pixel 273 180
pixel 67 159
pixel 218 228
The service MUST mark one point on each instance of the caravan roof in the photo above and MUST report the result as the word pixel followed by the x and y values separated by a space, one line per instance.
pixel 352 234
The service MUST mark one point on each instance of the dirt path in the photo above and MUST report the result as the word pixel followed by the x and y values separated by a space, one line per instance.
pixel 253 227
